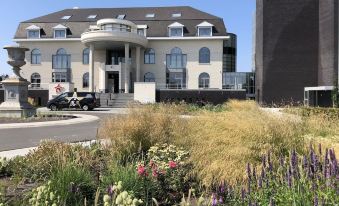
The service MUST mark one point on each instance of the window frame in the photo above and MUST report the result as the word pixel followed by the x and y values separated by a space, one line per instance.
pixel 33 30
pixel 85 82
pixel 36 57
pixel 170 31
pixel 205 27
pixel 203 80
pixel 150 78
pixel 64 30
pixel 201 58
pixel 85 52
pixel 36 82
pixel 149 56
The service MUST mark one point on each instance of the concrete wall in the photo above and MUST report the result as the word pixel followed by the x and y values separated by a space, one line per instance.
pixel 287 35
pixel 144 92
pixel 199 96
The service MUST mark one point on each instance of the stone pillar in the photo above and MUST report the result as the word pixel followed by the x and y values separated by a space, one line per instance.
pixel 126 67
pixel 137 60
pixel 91 68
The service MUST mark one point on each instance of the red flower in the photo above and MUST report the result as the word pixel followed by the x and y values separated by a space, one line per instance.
pixel 172 164
pixel 141 170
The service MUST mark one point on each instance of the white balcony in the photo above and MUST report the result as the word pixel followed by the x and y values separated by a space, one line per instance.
pixel 113 32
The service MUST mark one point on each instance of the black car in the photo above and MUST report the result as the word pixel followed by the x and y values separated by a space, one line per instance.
pixel 74 100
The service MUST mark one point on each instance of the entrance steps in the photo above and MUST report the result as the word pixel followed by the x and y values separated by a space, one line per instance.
pixel 120 100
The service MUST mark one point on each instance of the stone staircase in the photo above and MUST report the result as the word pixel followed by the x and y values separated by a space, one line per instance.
pixel 120 100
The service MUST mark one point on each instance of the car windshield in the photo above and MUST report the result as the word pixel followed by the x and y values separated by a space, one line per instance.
pixel 63 95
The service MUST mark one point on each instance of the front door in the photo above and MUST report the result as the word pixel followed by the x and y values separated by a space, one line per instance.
pixel 113 82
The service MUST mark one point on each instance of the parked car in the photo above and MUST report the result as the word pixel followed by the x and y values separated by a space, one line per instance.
pixel 74 100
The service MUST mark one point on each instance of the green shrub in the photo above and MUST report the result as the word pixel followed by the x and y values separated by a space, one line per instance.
pixel 44 196
pixel 73 184
pixel 117 196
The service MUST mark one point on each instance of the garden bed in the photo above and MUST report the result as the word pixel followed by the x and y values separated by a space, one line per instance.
pixel 39 118
pixel 240 155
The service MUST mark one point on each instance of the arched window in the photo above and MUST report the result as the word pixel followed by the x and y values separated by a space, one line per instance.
pixel 204 55
pixel 35 56
pixel 149 56
pixel 176 59
pixel 35 80
pixel 85 56
pixel 85 80
pixel 149 77
pixel 61 60
pixel 176 50
pixel 61 51
pixel 204 80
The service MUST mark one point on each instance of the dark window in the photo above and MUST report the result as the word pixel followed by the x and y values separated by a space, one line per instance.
pixel 149 56
pixel 85 56
pixel 204 55
pixel 61 60
pixel 85 80
pixel 35 80
pixel 35 56
pixel 149 77
pixel 204 80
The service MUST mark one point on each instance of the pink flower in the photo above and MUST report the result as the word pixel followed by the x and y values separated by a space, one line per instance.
pixel 141 170
pixel 172 164
pixel 154 173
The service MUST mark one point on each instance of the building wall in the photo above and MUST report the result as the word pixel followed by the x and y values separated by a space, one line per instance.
pixel 328 42
pixel 161 47
pixel 288 32
pixel 194 69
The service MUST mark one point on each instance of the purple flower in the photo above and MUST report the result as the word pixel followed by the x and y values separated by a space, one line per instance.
pixel 319 148
pixel 221 201
pixel 305 162
pixel 315 200
pixel 254 173
pixel 249 171
pixel 260 182
pixel 263 159
pixel 243 194
pixel 214 200
pixel 110 190
pixel 282 161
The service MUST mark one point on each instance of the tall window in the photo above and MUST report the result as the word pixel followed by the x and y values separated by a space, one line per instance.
pixel 35 80
pixel 176 60
pixel 85 80
pixel 85 56
pixel 204 80
pixel 35 56
pixel 149 77
pixel 149 57
pixel 61 60
pixel 204 55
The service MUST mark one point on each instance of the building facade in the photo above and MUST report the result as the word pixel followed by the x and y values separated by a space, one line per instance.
pixel 296 51
pixel 107 50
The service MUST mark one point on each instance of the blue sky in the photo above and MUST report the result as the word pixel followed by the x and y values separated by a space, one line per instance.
pixel 237 15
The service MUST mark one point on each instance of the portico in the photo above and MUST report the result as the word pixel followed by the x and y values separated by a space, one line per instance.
pixel 119 38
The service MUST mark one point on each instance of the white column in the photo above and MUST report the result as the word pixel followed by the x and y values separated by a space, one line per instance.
pixel 91 68
pixel 137 60
pixel 126 67
pixel 102 77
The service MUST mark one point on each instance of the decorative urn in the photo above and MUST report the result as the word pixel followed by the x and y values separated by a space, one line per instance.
pixel 16 58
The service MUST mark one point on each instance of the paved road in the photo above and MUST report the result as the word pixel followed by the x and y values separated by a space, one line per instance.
pixel 31 137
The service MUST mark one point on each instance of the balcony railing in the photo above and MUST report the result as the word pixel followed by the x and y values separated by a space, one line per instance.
pixel 172 86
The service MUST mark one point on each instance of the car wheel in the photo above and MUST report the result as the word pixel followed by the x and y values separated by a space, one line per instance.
pixel 53 107
pixel 85 107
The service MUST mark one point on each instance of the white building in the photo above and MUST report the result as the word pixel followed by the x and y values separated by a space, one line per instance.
pixel 107 50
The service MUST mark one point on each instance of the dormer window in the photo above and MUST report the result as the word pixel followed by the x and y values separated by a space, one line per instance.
pixel 205 29
pixel 93 16
pixel 141 30
pixel 66 17
pixel 60 32
pixel 176 30
pixel 150 15
pixel 121 16
pixel 33 32
pixel 176 15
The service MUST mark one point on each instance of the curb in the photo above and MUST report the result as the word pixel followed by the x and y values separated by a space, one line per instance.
pixel 81 118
